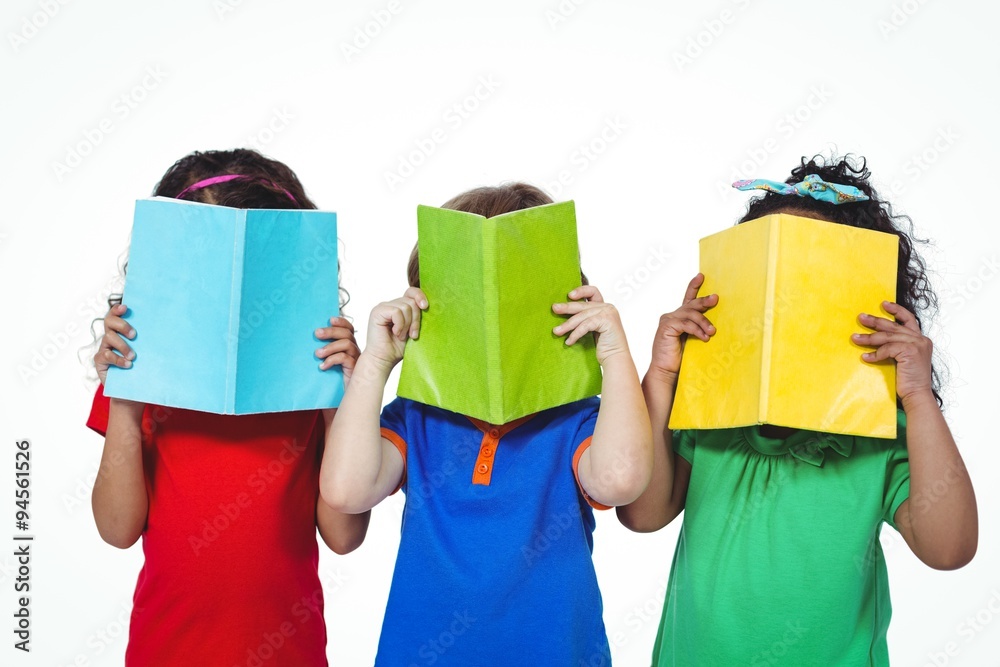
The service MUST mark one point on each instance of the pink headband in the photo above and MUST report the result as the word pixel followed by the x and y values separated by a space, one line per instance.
pixel 214 180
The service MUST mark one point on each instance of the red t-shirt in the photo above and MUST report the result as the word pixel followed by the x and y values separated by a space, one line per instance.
pixel 230 577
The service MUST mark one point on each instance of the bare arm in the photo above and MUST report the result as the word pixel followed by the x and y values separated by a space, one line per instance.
pixel 119 498
pixel 343 533
pixel 615 468
pixel 664 498
pixel 939 521
pixel 666 494
pixel 360 467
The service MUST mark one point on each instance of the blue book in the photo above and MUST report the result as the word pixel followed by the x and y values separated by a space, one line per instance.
pixel 224 302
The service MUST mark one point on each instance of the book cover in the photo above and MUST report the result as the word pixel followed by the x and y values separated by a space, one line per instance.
pixel 790 290
pixel 486 347
pixel 224 302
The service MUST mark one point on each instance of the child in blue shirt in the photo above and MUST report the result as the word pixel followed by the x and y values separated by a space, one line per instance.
pixel 494 563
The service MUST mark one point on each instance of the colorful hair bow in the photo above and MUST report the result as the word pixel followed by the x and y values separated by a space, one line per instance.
pixel 812 186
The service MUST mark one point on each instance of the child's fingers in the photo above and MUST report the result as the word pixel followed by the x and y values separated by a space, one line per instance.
pixel 573 322
pixel 587 325
pixel 693 287
pixel 341 321
pixel 118 325
pixel 882 337
pixel 414 314
pixel 890 350
pixel 400 317
pixel 902 315
pixel 703 303
pixel 702 330
pixel 574 307
pixel 335 332
pixel 342 359
pixel 879 323
pixel 418 296
pixel 342 345
pixel 588 292
pixel 111 340
pixel 111 358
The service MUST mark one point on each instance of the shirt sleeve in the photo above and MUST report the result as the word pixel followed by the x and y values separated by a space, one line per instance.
pixel 581 441
pixel 393 429
pixel 99 410
pixel 683 442
pixel 897 473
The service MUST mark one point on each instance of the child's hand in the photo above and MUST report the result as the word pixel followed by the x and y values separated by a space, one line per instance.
pixel 588 314
pixel 688 320
pixel 900 340
pixel 343 351
pixel 392 323
pixel 114 351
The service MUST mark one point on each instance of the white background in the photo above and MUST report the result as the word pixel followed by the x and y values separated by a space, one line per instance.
pixel 911 86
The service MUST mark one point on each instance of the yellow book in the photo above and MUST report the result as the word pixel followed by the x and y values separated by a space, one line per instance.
pixel 790 291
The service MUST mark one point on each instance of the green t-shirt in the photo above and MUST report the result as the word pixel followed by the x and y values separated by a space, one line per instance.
pixel 778 560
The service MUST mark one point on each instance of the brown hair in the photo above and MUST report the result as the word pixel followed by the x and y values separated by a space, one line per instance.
pixel 489 202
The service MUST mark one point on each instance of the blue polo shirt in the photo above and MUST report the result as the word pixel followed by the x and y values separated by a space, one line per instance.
pixel 494 563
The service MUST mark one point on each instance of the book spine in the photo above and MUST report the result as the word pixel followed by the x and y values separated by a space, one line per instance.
pixel 767 339
pixel 491 303
pixel 235 297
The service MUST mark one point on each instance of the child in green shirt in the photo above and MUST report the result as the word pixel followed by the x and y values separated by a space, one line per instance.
pixel 778 561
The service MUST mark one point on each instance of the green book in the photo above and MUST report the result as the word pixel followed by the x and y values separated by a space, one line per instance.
pixel 486 347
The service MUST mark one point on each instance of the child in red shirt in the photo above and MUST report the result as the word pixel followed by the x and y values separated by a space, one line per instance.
pixel 227 506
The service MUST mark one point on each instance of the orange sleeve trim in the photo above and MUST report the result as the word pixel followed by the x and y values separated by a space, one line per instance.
pixel 576 473
pixel 399 444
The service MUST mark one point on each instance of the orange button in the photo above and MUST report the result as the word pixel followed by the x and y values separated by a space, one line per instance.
pixel 494 433
pixel 487 452
pixel 482 468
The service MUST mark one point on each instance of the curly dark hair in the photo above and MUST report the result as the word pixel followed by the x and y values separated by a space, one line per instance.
pixel 266 189
pixel 913 287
